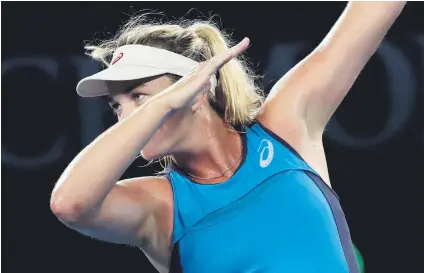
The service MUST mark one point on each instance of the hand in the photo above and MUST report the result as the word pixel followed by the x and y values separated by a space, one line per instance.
pixel 191 90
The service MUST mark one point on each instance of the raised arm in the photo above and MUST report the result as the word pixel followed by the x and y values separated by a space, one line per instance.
pixel 311 91
pixel 87 196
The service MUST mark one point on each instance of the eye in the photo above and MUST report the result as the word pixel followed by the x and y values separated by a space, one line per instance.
pixel 138 97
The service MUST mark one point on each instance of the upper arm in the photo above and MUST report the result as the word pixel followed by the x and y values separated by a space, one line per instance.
pixel 314 88
pixel 132 210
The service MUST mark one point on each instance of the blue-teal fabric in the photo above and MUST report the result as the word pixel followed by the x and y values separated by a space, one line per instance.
pixel 275 214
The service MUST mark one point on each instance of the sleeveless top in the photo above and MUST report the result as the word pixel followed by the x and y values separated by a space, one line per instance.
pixel 275 214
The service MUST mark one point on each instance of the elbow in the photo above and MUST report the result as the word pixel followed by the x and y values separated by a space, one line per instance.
pixel 67 211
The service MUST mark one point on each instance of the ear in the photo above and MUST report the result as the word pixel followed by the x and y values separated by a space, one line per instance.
pixel 198 104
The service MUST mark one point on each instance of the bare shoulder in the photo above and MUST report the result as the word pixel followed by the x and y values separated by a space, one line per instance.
pixel 156 237
pixel 294 131
pixel 156 193
pixel 156 186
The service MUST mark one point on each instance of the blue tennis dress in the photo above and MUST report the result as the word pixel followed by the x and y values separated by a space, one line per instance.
pixel 275 214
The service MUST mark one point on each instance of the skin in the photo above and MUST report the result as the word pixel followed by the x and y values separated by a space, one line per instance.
pixel 194 151
pixel 139 211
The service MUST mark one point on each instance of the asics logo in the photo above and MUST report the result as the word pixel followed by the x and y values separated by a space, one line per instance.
pixel 120 55
pixel 267 153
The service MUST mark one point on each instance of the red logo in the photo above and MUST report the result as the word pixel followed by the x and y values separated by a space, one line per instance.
pixel 118 58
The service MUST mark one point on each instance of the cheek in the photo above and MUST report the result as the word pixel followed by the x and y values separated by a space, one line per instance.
pixel 174 125
pixel 161 135
pixel 169 135
pixel 168 132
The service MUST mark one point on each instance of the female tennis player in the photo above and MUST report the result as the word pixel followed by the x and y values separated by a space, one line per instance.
pixel 247 187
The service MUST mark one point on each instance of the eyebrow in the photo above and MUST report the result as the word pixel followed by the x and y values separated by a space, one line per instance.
pixel 127 90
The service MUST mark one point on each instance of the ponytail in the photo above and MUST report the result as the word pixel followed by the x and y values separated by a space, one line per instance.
pixel 236 93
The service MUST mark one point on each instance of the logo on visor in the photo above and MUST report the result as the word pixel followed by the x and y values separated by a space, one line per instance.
pixel 117 58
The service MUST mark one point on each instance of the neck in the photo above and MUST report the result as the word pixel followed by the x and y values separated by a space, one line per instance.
pixel 213 151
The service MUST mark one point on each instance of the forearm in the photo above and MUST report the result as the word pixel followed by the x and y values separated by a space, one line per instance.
pixel 91 175
pixel 337 62
pixel 361 28
pixel 315 87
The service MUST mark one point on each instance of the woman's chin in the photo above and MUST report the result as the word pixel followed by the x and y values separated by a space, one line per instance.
pixel 146 156
pixel 150 155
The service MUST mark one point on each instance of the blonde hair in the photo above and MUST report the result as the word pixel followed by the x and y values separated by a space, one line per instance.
pixel 238 100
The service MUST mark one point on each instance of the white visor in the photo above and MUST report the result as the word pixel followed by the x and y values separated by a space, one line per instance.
pixel 134 62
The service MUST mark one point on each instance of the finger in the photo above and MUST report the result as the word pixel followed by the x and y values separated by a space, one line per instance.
pixel 221 59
